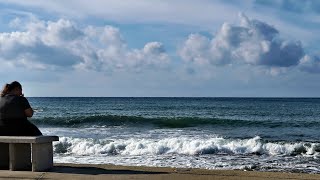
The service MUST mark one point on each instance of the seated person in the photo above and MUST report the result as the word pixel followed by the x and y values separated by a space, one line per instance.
pixel 14 110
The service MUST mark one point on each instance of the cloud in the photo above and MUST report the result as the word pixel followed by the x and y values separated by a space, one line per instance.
pixel 109 52
pixel 60 32
pixel 38 45
pixel 197 49
pixel 310 64
pixel 61 44
pixel 251 42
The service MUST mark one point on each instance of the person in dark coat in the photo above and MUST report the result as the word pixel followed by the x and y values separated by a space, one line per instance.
pixel 14 112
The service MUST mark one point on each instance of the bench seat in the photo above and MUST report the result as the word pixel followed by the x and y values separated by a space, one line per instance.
pixel 27 152
pixel 28 139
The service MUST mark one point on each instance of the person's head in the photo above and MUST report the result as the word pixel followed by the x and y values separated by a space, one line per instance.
pixel 12 88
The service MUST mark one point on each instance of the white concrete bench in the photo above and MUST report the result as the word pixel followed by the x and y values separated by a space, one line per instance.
pixel 25 152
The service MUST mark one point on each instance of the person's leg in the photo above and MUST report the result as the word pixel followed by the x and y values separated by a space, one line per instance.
pixel 34 130
pixel 29 129
pixel 6 131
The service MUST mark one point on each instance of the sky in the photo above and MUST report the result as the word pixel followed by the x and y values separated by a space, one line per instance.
pixel 161 48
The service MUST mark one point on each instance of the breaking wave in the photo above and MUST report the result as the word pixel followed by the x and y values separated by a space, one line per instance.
pixel 183 146
pixel 162 122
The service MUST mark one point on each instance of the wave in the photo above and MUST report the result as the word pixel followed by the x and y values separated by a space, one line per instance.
pixel 183 146
pixel 161 122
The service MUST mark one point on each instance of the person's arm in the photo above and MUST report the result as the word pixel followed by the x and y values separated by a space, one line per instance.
pixel 28 112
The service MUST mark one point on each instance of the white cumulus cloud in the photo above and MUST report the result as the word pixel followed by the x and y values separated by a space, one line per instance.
pixel 111 52
pixel 251 42
pixel 36 46
pixel 61 44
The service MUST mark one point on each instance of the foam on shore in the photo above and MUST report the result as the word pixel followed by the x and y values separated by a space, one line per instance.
pixel 183 146
pixel 211 153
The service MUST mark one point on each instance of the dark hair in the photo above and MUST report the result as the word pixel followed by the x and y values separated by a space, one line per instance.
pixel 9 87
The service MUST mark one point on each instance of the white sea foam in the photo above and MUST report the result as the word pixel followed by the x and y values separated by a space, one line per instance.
pixel 183 146
pixel 209 153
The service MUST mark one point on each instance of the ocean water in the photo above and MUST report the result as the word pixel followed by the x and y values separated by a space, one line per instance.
pixel 261 134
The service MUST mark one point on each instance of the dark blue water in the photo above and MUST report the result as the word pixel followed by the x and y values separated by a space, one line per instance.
pixel 288 119
pixel 264 134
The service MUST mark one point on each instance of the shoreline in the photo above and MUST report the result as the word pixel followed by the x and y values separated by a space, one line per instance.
pixel 109 171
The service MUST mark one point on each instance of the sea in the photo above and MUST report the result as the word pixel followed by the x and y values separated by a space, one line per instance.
pixel 252 134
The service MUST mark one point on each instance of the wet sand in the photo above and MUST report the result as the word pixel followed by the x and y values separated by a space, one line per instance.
pixel 104 171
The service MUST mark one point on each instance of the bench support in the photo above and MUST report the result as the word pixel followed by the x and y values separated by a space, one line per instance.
pixel 20 156
pixel 26 152
pixel 4 158
pixel 42 156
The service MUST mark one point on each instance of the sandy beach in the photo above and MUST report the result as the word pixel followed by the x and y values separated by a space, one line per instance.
pixel 89 171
